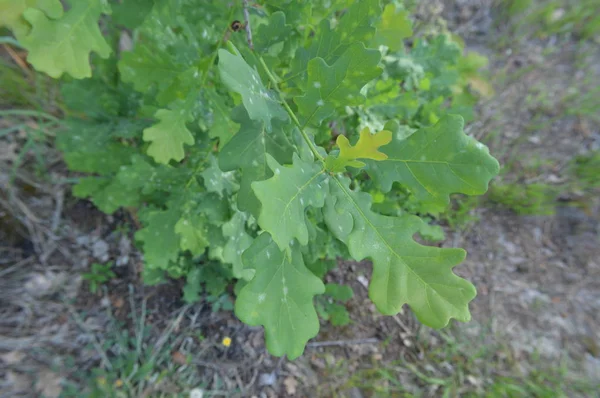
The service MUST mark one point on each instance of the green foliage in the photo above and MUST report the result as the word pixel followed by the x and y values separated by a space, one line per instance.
pixel 64 44
pixel 226 154
pixel 586 169
pixel 330 305
pixel 99 274
pixel 526 199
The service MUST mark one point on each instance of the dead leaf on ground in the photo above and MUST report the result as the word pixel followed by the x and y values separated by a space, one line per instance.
pixel 18 382
pixel 48 384
pixel 290 385
pixel 179 358
pixel 12 358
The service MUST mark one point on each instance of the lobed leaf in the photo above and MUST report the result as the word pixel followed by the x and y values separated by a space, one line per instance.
pixel 218 181
pixel 393 27
pixel 58 46
pixel 238 76
pixel 193 232
pixel 285 197
pixel 168 136
pixel 279 297
pixel 161 243
pixel 357 25
pixel 238 240
pixel 367 147
pixel 330 87
pixel 247 150
pixel 436 161
pixel 274 32
pixel 404 272
pixel 11 13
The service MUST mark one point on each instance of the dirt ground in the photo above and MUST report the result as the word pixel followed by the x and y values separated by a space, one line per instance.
pixel 538 276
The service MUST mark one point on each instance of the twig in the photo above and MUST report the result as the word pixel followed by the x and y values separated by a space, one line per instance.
pixel 248 28
pixel 372 340
pixel 60 198
pixel 95 342
pixel 17 59
pixel 163 339
pixel 209 365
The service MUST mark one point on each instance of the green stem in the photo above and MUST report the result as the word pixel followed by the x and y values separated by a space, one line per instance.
pixel 202 83
pixel 215 55
pixel 290 112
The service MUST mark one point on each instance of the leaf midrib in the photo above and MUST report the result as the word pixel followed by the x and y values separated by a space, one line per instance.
pixel 368 221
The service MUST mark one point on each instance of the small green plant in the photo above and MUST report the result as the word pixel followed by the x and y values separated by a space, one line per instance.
pixel 251 155
pixel 135 360
pixel 330 306
pixel 99 274
pixel 524 199
pixel 586 169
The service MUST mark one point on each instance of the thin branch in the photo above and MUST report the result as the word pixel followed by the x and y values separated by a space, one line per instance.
pixel 95 342
pixel 343 342
pixel 248 27
pixel 290 112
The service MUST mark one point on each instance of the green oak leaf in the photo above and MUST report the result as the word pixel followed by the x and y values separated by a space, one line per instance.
pixel 147 177
pixel 148 65
pixel 168 136
pixel 238 240
pixel 436 161
pixel 247 150
pixel 404 272
pixel 11 13
pixel 338 314
pixel 193 286
pixel 107 194
pixel 218 181
pixel 193 232
pixel 367 147
pixel 338 292
pixel 357 25
pixel 393 27
pixel 285 197
pixel 131 13
pixel 221 126
pixel 238 76
pixel 64 45
pixel 279 297
pixel 270 37
pixel 161 243
pixel 331 87
pixel 91 148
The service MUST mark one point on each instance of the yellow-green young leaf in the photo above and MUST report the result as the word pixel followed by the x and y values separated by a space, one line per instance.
pixel 238 76
pixel 393 27
pixel 279 297
pixel 436 161
pixel 404 271
pixel 64 45
pixel 168 136
pixel 285 197
pixel 367 147
pixel 11 13
pixel 192 230
pixel 330 87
